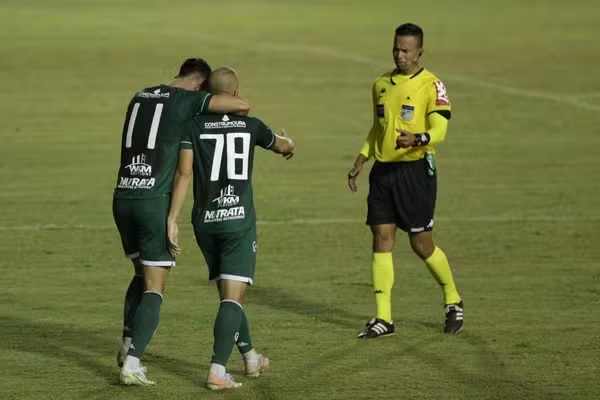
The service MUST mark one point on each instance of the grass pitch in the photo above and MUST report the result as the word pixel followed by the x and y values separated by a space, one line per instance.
pixel 517 208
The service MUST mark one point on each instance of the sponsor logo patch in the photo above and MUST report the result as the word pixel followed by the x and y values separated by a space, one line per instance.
pixel 224 214
pixel 380 110
pixel 441 94
pixel 136 183
pixel 423 229
pixel 227 197
pixel 156 95
pixel 138 166
pixel 227 210
pixel 226 123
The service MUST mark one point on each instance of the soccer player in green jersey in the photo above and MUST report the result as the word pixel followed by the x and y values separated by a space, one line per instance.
pixel 411 112
pixel 149 152
pixel 220 151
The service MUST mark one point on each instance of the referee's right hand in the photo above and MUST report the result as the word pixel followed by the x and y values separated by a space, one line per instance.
pixel 352 177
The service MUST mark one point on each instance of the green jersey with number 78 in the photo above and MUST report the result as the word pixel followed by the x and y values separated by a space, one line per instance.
pixel 151 135
pixel 223 147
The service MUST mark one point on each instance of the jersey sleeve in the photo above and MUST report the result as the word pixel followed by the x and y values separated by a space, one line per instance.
pixel 368 147
pixel 265 137
pixel 437 97
pixel 186 137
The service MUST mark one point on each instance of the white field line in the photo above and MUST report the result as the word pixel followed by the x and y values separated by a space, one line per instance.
pixel 571 100
pixel 586 96
pixel 519 92
pixel 501 88
pixel 320 221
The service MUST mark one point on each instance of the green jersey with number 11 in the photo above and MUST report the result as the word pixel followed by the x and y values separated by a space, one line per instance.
pixel 150 143
pixel 223 148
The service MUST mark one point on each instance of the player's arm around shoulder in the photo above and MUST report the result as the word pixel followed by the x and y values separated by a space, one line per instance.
pixel 224 103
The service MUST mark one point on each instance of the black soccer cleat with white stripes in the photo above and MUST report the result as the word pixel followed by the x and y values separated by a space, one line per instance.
pixel 376 328
pixel 454 317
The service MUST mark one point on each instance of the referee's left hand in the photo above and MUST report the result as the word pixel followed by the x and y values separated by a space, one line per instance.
pixel 405 139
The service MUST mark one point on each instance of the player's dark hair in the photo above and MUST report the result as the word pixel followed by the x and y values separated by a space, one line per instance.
pixel 194 66
pixel 410 30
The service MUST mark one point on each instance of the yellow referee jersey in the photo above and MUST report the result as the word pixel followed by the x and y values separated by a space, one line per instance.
pixel 403 102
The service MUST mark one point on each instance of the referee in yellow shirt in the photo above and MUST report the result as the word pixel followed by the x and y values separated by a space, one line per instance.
pixel 411 112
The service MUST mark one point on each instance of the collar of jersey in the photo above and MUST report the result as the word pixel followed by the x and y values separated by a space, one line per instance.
pixel 403 80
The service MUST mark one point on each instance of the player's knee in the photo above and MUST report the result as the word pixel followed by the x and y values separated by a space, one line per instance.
pixel 232 290
pixel 422 247
pixel 155 279
pixel 155 286
pixel 383 244
pixel 237 297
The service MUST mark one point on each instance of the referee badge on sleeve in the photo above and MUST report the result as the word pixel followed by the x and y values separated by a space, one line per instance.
pixel 408 112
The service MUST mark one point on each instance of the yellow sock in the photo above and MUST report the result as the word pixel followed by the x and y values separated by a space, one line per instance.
pixel 440 269
pixel 383 280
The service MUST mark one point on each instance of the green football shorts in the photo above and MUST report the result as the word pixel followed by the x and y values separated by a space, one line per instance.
pixel 142 224
pixel 229 255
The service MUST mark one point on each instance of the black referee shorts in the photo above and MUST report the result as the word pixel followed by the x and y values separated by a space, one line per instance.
pixel 402 193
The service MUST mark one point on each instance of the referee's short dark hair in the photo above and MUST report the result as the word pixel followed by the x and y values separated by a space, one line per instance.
pixel 194 66
pixel 409 29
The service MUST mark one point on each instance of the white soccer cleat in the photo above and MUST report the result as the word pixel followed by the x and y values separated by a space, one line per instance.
pixel 135 377
pixel 215 382
pixel 255 367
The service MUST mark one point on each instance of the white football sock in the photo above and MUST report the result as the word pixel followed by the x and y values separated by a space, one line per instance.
pixel 217 369
pixel 251 355
pixel 132 363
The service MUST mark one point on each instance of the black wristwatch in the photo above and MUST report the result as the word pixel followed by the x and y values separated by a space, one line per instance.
pixel 422 139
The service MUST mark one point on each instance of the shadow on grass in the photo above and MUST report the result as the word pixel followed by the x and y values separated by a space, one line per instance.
pixel 492 381
pixel 279 299
pixel 60 341
pixel 88 349
pixel 91 350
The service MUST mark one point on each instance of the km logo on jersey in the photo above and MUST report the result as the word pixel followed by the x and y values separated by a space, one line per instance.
pixel 227 198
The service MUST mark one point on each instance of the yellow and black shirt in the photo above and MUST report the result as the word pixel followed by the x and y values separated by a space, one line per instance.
pixel 404 102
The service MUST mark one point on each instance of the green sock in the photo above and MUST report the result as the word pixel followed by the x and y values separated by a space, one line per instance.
pixel 132 301
pixel 244 341
pixel 145 323
pixel 226 330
